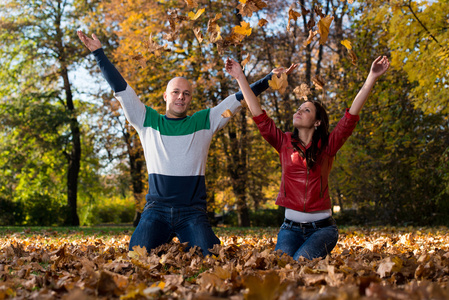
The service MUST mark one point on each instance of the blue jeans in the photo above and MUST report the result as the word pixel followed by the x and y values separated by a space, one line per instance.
pixel 309 242
pixel 159 224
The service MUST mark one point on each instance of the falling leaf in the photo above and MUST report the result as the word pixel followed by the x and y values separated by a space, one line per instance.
pixel 319 11
pixel 353 57
pixel 248 7
pixel 347 44
pixel 191 3
pixel 312 34
pixel 140 59
pixel 193 16
pixel 323 28
pixel 278 83
pixel 246 60
pixel 213 29
pixel 318 81
pixel 198 34
pixel 302 91
pixel 262 22
pixel 292 15
pixel 243 29
pixel 227 114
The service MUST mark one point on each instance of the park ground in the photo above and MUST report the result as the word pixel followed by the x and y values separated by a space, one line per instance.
pixel 94 263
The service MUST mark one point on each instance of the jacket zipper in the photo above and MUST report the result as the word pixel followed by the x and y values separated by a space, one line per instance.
pixel 307 183
pixel 321 187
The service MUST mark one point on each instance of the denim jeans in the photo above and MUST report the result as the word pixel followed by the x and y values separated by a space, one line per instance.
pixel 307 242
pixel 159 224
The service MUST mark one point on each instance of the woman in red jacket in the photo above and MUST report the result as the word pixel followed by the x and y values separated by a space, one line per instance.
pixel 306 156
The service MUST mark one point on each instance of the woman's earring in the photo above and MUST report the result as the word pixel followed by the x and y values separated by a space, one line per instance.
pixel 316 128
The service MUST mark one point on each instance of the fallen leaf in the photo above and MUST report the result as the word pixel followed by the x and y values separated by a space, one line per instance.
pixel 347 44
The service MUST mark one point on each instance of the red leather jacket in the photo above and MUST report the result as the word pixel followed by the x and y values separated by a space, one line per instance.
pixel 301 189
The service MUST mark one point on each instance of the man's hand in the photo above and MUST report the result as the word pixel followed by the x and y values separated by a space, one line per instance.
pixel 233 68
pixel 91 43
pixel 279 71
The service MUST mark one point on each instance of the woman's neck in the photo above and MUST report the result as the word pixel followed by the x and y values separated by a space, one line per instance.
pixel 305 135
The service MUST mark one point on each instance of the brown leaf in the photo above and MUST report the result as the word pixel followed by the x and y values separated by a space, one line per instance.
pixel 353 57
pixel 278 83
pixel 198 34
pixel 246 60
pixel 191 3
pixel 140 59
pixel 318 81
pixel 226 114
pixel 302 91
pixel 262 23
pixel 312 34
pixel 248 7
pixel 323 28
pixel 292 15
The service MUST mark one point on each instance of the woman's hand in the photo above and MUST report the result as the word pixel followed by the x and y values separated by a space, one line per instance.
pixel 234 69
pixel 379 66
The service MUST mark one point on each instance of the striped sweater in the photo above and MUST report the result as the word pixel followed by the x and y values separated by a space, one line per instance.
pixel 175 149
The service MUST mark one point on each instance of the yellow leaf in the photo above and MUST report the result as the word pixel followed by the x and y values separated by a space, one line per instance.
pixel 278 83
pixel 347 44
pixel 191 3
pixel 194 16
pixel 243 29
pixel 138 252
pixel 246 60
pixel 242 1
pixel 323 28
pixel 226 114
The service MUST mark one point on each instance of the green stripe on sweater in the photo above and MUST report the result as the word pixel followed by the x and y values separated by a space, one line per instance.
pixel 198 121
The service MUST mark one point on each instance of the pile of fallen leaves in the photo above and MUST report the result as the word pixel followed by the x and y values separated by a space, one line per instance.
pixel 377 263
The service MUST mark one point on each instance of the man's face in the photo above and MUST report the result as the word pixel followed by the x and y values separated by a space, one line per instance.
pixel 178 96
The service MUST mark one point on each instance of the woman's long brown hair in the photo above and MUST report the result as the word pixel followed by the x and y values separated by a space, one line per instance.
pixel 320 134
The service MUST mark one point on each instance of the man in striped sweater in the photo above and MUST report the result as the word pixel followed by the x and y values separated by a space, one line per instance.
pixel 175 147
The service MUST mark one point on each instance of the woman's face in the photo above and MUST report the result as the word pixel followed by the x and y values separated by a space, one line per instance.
pixel 305 117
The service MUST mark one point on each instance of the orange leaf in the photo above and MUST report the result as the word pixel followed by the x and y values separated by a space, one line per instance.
pixel 347 44
pixel 246 60
pixel 262 22
pixel 278 83
pixel 193 16
pixel 243 29
pixel 292 15
pixel 191 3
pixel 227 114
pixel 323 28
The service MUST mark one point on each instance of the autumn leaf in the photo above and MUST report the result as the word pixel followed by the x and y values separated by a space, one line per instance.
pixel 140 59
pixel 213 29
pixel 312 34
pixel 262 22
pixel 198 34
pixel 302 91
pixel 191 3
pixel 347 44
pixel 248 7
pixel 319 11
pixel 292 15
pixel 318 81
pixel 246 60
pixel 278 83
pixel 227 114
pixel 353 57
pixel 138 252
pixel 323 28
pixel 243 29
pixel 193 16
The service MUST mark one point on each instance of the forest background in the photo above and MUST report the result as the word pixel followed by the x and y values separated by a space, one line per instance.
pixel 68 157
